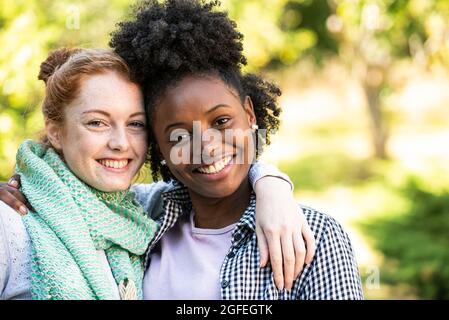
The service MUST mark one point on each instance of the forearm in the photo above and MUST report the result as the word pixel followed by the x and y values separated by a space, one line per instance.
pixel 260 170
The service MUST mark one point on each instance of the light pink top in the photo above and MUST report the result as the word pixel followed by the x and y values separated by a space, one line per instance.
pixel 186 263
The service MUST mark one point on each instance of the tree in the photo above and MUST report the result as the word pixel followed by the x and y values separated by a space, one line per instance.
pixel 28 31
pixel 370 37
pixel 415 241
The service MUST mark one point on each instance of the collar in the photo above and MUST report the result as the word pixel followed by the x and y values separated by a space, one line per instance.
pixel 179 196
pixel 177 203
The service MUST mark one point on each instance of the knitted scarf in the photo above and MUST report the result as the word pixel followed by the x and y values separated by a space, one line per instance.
pixel 70 222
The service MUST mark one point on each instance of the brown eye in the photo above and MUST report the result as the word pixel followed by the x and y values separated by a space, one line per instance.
pixel 221 121
pixel 179 135
pixel 182 137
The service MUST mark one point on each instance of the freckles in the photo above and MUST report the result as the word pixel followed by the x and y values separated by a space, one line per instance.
pixel 80 138
pixel 143 143
pixel 87 147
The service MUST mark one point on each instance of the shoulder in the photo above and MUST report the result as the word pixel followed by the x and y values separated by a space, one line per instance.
pixel 11 224
pixel 144 190
pixel 325 227
pixel 333 273
pixel 10 220
pixel 15 250
pixel 13 234
pixel 149 196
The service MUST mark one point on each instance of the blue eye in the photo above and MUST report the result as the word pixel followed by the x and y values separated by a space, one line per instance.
pixel 95 123
pixel 138 124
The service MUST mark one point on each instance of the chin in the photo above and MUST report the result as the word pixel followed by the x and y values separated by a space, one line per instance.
pixel 216 191
pixel 111 187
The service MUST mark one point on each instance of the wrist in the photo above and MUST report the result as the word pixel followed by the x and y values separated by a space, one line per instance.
pixel 272 185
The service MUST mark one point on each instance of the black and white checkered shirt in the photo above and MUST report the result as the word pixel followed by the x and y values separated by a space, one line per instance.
pixel 333 274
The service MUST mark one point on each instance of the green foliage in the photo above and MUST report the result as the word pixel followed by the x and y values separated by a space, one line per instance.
pixel 298 16
pixel 28 31
pixel 415 243
pixel 277 33
pixel 376 32
pixel 319 171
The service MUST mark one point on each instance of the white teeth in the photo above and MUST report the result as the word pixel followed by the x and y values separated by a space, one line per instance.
pixel 217 166
pixel 114 164
pixel 208 169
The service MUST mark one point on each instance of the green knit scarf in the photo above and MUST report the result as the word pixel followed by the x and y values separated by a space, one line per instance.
pixel 71 222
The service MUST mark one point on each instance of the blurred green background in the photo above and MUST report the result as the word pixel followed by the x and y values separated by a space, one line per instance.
pixel 365 131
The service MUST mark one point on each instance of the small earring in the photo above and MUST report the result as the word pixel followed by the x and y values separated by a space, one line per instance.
pixel 163 162
pixel 254 127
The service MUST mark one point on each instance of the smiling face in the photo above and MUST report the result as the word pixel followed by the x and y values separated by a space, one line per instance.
pixel 103 138
pixel 209 107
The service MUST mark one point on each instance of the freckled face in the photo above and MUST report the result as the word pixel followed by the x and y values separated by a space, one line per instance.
pixel 212 104
pixel 104 138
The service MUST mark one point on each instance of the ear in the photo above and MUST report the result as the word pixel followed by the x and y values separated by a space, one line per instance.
pixel 54 134
pixel 249 109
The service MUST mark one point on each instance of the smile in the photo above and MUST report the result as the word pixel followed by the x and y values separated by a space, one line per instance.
pixel 114 164
pixel 215 167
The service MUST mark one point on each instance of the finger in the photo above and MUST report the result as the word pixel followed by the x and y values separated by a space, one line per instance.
pixel 11 201
pixel 14 181
pixel 300 253
pixel 29 206
pixel 309 238
pixel 19 196
pixel 288 254
pixel 263 247
pixel 274 247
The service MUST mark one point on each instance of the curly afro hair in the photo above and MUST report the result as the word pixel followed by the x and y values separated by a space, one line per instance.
pixel 166 41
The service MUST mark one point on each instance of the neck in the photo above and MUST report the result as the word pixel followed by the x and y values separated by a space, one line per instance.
pixel 216 213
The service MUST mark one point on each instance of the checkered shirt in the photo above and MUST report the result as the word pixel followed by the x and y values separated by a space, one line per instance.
pixel 333 273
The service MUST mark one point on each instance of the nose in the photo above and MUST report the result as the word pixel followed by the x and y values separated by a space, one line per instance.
pixel 211 145
pixel 208 152
pixel 118 140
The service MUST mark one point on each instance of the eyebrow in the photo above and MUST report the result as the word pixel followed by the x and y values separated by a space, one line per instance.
pixel 207 112
pixel 108 115
pixel 217 106
pixel 173 125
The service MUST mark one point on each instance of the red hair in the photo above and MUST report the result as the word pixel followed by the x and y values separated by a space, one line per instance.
pixel 63 71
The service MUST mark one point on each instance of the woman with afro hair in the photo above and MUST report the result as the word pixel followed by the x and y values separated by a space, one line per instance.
pixel 286 250
pixel 205 116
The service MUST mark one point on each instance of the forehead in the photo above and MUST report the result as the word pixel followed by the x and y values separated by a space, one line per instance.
pixel 198 94
pixel 110 92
